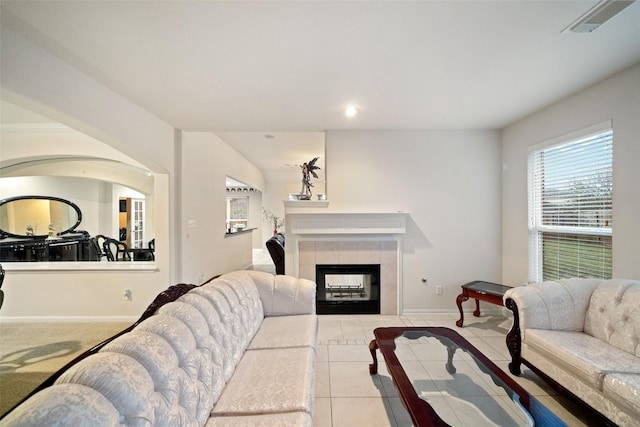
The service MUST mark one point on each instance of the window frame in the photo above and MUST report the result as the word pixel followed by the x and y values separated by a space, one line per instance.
pixel 231 222
pixel 536 222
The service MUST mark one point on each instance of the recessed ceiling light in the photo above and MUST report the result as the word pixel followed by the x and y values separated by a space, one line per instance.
pixel 350 111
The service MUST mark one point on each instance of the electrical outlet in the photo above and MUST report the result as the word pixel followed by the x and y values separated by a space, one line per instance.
pixel 128 295
pixel 439 290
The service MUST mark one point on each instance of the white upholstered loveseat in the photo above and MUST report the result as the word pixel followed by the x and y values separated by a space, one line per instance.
pixel 238 351
pixel 584 334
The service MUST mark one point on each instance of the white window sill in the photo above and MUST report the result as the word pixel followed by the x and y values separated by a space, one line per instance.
pixel 80 266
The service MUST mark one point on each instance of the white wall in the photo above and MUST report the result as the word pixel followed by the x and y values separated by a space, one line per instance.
pixel 205 249
pixel 255 219
pixel 449 182
pixel 616 98
pixel 34 79
pixel 46 140
pixel 276 191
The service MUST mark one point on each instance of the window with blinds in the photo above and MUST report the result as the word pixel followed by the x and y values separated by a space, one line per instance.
pixel 570 198
pixel 237 211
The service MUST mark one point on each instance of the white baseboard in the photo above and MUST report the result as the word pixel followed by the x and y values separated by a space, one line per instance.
pixel 429 311
pixel 484 311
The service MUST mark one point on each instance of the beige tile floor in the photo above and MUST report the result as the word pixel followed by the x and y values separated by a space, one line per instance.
pixel 347 395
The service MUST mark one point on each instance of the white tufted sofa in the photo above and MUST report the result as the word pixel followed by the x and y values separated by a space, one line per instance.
pixel 238 351
pixel 583 334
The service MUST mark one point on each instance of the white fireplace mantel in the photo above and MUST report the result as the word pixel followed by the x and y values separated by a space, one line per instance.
pixel 378 234
pixel 342 223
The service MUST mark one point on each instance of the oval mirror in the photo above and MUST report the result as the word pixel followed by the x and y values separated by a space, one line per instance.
pixel 34 216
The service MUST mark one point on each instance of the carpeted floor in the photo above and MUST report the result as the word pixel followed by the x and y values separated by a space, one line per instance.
pixel 31 352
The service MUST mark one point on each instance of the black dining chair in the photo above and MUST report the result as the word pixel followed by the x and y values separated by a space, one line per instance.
pixel 275 246
pixel 1 281
pixel 100 242
pixel 152 249
pixel 116 250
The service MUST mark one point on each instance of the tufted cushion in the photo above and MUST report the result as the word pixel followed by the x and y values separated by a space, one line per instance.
pixel 212 373
pixel 243 285
pixel 68 405
pixel 220 334
pixel 177 406
pixel 229 320
pixel 191 360
pixel 239 311
pixel 130 391
pixel 220 327
pixel 614 314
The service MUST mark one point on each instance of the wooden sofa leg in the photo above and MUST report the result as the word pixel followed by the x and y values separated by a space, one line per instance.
pixel 513 338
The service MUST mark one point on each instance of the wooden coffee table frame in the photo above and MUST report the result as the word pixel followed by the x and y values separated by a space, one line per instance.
pixel 422 414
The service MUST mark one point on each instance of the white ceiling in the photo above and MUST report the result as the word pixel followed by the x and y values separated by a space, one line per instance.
pixel 271 66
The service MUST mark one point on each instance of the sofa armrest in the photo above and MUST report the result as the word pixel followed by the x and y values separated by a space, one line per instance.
pixel 560 305
pixel 285 295
pixel 514 337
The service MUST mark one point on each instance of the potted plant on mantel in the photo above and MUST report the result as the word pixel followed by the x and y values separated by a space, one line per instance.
pixel 275 220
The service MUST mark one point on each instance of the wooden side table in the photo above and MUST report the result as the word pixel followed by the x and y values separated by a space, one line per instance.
pixel 480 291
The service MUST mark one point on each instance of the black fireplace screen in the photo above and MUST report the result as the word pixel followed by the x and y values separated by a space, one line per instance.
pixel 348 288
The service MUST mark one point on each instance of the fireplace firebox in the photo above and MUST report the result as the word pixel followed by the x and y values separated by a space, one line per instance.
pixel 348 288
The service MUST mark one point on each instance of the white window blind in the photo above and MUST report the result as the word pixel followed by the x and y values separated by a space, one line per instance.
pixel 237 211
pixel 570 198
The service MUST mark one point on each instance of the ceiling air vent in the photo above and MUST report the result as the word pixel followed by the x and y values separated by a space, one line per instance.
pixel 597 15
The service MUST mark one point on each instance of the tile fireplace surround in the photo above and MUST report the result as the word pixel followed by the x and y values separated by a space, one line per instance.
pixel 348 238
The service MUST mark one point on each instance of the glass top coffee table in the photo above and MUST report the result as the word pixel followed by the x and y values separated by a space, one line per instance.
pixel 444 380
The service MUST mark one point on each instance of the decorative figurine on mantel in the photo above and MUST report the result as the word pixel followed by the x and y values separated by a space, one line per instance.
pixel 308 169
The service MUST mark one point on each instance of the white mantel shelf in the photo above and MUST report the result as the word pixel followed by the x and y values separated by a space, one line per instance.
pixel 303 223
pixel 306 203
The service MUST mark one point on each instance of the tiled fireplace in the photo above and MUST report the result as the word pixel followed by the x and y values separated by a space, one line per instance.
pixel 348 288
pixel 341 239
